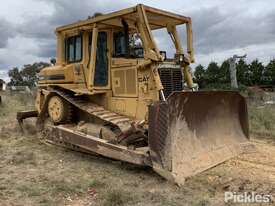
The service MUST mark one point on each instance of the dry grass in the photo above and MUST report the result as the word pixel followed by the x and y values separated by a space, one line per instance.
pixel 33 173
pixel 262 121
pixel 116 197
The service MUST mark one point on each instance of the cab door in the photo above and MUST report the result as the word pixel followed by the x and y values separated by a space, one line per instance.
pixel 102 71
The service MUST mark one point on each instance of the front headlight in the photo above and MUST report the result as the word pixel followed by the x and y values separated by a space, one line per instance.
pixel 179 58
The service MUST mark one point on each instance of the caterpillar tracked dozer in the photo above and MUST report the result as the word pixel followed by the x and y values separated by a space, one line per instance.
pixel 111 91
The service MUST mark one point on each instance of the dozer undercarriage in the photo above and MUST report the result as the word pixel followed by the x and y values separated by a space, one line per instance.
pixel 113 93
pixel 177 143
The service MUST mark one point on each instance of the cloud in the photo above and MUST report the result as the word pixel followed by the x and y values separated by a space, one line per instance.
pixel 7 31
pixel 262 52
pixel 19 51
pixel 218 31
pixel 3 75
pixel 47 48
pixel 37 28
pixel 41 29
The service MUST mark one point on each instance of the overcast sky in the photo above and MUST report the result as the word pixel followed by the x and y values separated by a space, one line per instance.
pixel 221 28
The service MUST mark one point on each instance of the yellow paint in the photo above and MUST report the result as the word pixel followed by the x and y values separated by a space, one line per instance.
pixel 133 83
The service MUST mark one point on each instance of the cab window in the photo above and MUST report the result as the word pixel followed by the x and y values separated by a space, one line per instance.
pixel 120 46
pixel 73 49
pixel 127 46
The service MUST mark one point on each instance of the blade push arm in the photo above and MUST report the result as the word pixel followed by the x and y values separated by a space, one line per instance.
pixel 183 59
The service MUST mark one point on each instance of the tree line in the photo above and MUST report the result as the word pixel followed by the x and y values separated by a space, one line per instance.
pixel 214 76
pixel 27 75
pixel 248 74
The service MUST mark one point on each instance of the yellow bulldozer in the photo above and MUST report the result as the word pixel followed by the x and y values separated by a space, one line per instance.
pixel 112 92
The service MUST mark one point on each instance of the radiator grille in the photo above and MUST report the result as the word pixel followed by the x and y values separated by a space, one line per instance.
pixel 171 79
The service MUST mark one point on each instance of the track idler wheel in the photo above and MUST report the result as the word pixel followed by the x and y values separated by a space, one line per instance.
pixel 59 110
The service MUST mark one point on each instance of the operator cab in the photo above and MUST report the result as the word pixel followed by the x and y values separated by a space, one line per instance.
pixel 117 52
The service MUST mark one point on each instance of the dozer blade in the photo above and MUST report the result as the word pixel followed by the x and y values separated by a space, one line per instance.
pixel 194 131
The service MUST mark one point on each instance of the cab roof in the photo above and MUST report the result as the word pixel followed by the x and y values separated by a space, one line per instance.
pixel 157 19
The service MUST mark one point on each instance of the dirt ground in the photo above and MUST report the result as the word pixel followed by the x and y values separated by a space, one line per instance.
pixel 34 173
